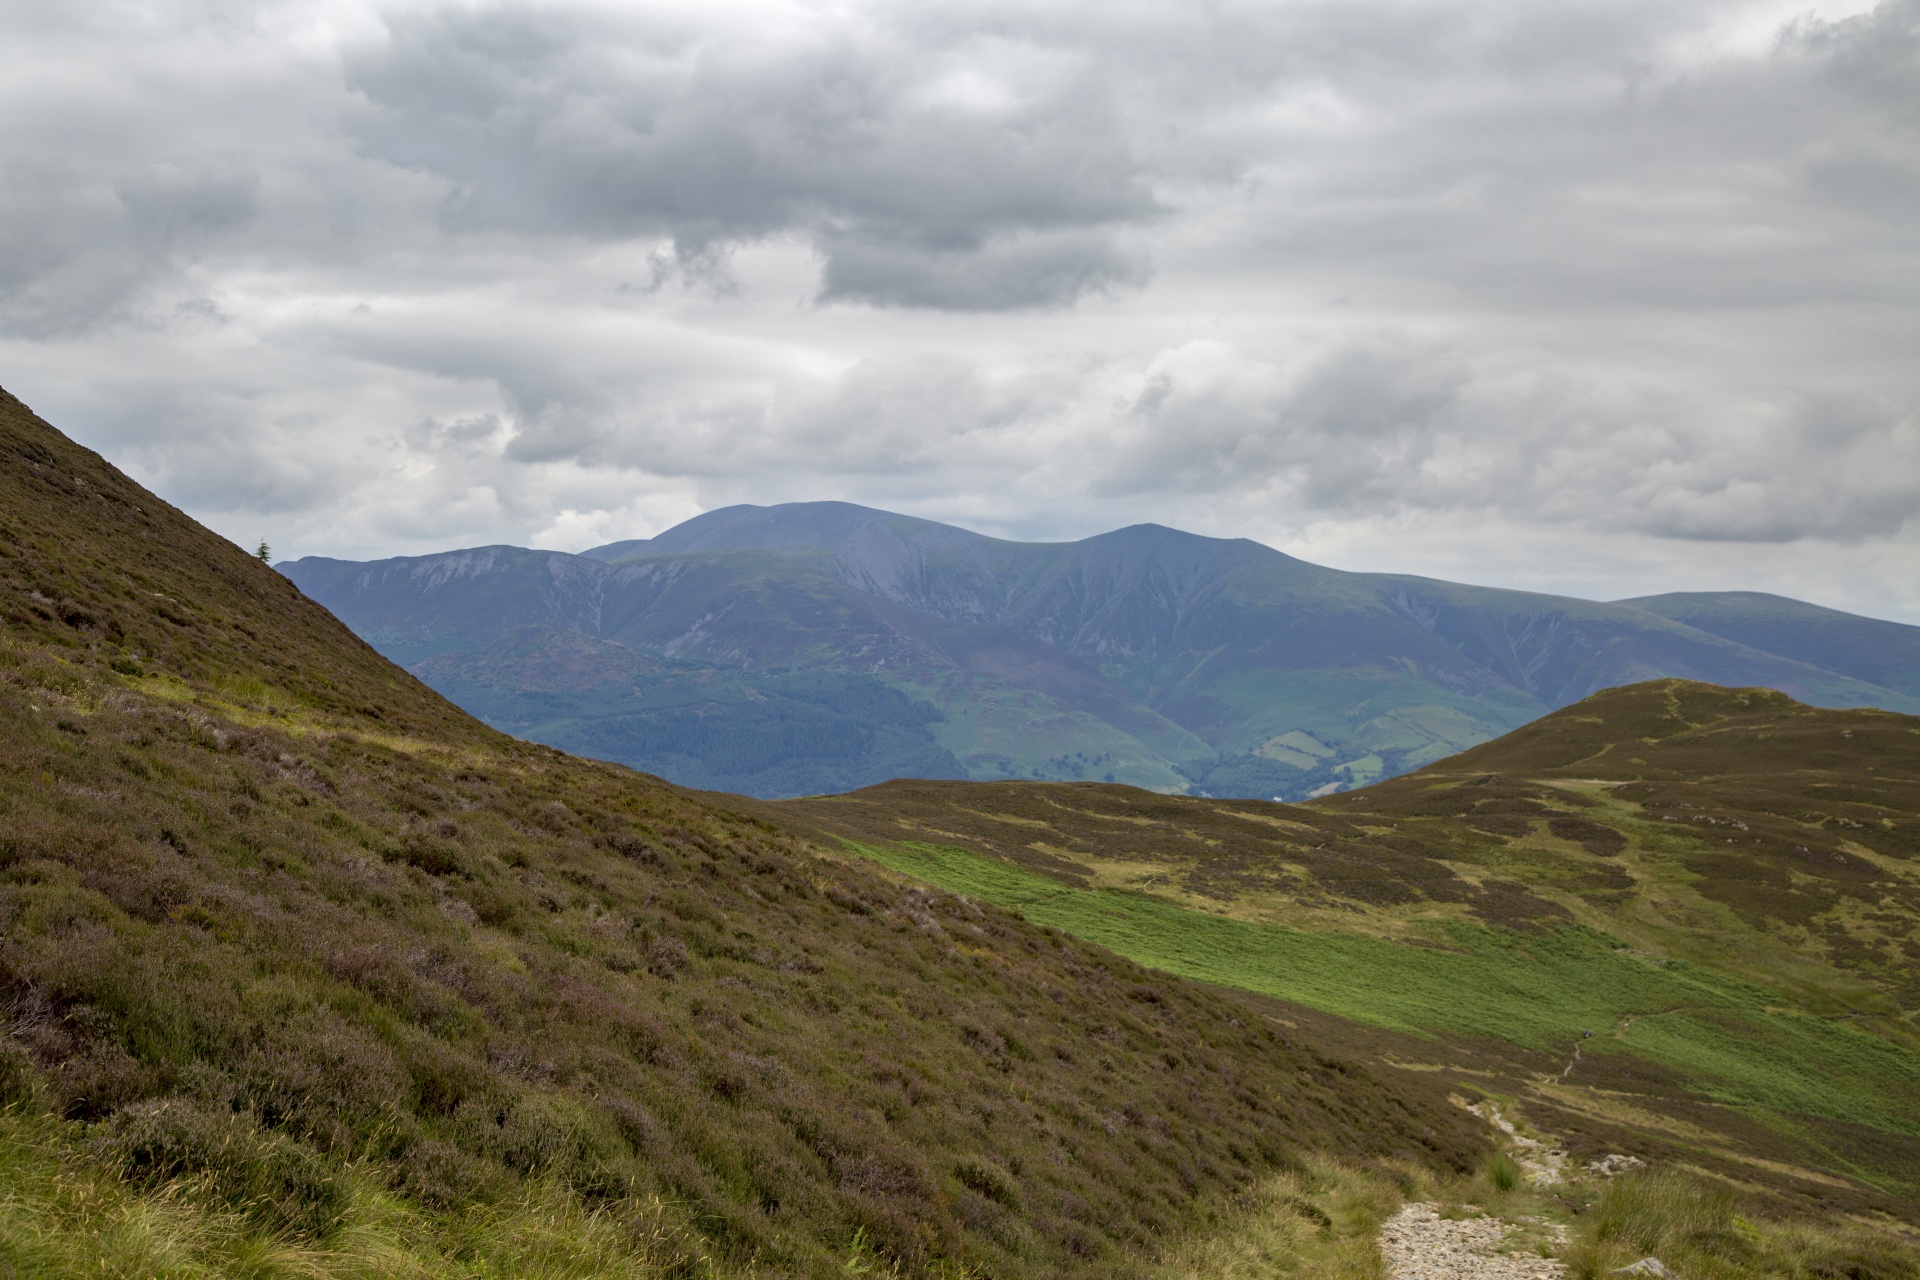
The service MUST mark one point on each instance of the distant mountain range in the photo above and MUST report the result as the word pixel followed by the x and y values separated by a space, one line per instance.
pixel 816 647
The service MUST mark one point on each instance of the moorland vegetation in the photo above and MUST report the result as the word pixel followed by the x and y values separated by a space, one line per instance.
pixel 1675 918
pixel 306 972
pixel 294 954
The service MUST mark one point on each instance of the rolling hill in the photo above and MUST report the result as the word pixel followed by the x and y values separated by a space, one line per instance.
pixel 1143 656
pixel 306 972
pixel 1671 918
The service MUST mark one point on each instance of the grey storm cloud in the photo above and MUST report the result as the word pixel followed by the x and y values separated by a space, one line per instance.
pixel 921 180
pixel 1476 279
pixel 169 203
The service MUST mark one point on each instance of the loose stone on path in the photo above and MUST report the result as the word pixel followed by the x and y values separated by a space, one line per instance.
pixel 1418 1244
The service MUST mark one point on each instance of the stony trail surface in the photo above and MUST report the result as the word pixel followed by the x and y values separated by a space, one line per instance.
pixel 1419 1244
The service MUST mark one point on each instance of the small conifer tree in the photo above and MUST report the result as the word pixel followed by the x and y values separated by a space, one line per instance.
pixel 263 552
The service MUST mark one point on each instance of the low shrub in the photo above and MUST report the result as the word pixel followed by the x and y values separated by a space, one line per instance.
pixel 1648 1212
pixel 442 1177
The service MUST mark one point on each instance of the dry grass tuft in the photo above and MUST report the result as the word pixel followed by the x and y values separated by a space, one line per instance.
pixel 1695 1226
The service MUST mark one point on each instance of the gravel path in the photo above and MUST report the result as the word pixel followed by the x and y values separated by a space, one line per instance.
pixel 1419 1244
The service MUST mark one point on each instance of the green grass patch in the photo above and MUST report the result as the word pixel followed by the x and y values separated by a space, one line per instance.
pixel 1732 1040
pixel 63 1213
pixel 1695 1227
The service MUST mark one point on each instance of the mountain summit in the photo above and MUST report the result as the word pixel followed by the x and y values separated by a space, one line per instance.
pixel 818 646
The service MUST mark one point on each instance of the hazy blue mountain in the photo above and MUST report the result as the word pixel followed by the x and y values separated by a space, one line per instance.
pixel 1869 649
pixel 1149 655
pixel 773 734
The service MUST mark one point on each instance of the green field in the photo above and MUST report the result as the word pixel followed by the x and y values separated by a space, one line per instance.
pixel 1737 1043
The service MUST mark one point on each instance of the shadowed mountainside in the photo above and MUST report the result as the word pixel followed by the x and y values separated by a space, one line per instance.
pixel 1881 653
pixel 288 940
pixel 800 732
pixel 1145 656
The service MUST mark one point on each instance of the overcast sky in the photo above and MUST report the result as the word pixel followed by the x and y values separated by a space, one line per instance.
pixel 1603 298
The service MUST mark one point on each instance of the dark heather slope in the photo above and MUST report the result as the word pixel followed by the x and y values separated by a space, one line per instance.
pixel 268 903
pixel 1870 649
pixel 1722 886
pixel 102 573
pixel 1145 655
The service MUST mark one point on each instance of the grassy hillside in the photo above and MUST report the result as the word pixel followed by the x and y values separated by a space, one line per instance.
pixel 1721 886
pixel 305 971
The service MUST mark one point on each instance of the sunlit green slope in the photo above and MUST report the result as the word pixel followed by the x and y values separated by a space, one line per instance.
pixel 1687 911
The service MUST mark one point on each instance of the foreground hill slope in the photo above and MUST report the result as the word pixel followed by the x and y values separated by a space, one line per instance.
pixel 1672 918
pixel 1145 656
pixel 288 939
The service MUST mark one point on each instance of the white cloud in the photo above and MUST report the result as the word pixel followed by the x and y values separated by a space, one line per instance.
pixel 1524 292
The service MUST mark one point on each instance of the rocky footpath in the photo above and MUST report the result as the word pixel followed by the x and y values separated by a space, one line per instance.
pixel 1418 1244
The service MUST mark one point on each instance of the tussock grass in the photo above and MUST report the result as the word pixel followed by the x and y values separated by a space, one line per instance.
pixel 65 1214
pixel 1323 1220
pixel 1319 1221
pixel 1696 1228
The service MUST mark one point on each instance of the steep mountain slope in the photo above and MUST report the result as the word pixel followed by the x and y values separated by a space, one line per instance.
pixel 295 943
pixel 1146 655
pixel 1882 653
pixel 1672 917
pixel 783 733
pixel 1006 701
